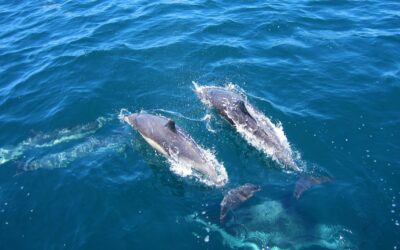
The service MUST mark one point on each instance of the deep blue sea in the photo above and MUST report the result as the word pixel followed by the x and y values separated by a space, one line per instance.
pixel 73 176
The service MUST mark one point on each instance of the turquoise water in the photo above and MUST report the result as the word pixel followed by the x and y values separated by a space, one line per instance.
pixel 73 176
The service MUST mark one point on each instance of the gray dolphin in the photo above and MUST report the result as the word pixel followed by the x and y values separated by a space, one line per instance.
pixel 235 197
pixel 257 129
pixel 172 142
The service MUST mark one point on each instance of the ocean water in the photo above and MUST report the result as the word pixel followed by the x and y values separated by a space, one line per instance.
pixel 73 176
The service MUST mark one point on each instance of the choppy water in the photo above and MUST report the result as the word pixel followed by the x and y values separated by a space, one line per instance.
pixel 73 176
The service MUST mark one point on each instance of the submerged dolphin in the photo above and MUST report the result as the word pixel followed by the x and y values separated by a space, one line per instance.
pixel 257 129
pixel 235 197
pixel 171 141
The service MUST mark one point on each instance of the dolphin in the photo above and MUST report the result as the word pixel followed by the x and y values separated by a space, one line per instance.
pixel 257 129
pixel 306 182
pixel 235 197
pixel 172 142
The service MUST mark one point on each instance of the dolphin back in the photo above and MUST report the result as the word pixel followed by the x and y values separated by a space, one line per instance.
pixel 171 141
pixel 257 129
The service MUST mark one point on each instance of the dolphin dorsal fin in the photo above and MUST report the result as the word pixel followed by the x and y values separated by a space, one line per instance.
pixel 171 125
pixel 243 108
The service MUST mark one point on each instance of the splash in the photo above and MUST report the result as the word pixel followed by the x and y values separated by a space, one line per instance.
pixel 185 168
pixel 51 139
pixel 92 146
pixel 200 92
pixel 123 113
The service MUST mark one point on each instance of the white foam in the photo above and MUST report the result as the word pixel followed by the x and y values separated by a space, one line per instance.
pixel 199 91
pixel 123 113
pixel 186 168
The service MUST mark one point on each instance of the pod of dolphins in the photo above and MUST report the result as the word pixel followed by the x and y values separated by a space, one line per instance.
pixel 174 143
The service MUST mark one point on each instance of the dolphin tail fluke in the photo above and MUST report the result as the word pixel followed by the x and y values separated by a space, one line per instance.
pixel 306 182
pixel 236 197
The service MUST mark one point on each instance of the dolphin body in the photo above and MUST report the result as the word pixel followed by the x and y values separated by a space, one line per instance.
pixel 172 142
pixel 235 197
pixel 234 108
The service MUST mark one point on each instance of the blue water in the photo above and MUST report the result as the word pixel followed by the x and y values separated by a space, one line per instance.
pixel 73 176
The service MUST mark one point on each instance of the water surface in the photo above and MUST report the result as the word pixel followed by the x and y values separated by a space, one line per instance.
pixel 73 176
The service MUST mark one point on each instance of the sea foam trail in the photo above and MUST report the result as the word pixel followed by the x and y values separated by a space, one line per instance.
pixel 92 146
pixel 51 139
pixel 280 151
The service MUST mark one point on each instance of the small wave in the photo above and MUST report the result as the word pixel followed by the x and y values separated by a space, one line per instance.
pixel 123 113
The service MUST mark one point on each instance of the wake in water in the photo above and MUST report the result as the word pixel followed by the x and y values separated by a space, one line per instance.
pixel 91 147
pixel 257 129
pixel 43 144
pixel 51 139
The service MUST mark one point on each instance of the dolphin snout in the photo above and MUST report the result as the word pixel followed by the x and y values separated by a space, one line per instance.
pixel 130 119
pixel 201 91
